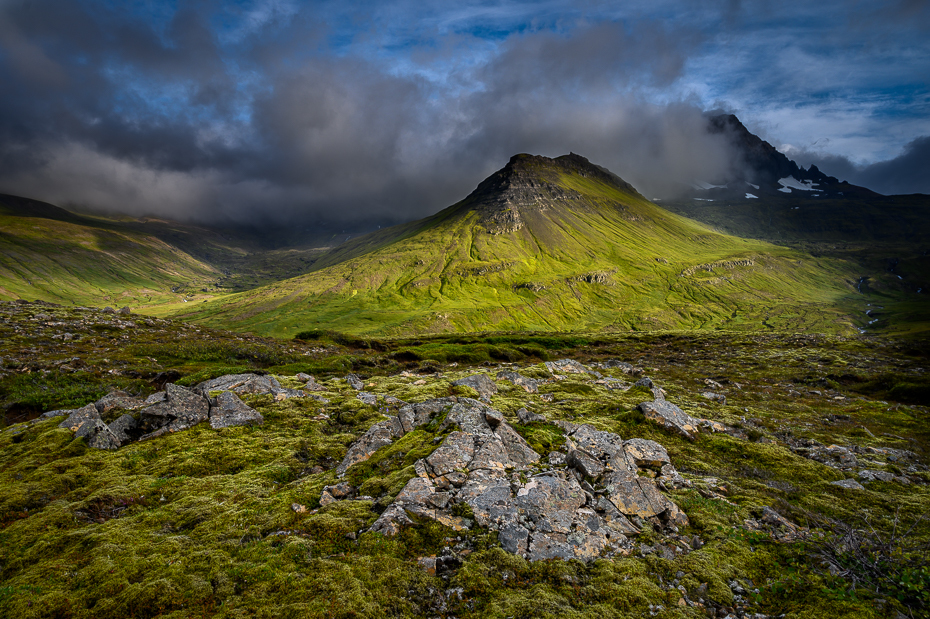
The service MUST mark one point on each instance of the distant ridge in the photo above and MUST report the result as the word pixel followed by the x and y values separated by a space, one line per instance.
pixel 27 207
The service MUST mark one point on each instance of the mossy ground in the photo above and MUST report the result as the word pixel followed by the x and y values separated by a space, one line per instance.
pixel 200 523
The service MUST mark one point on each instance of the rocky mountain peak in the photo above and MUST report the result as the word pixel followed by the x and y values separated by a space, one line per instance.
pixel 534 183
pixel 762 166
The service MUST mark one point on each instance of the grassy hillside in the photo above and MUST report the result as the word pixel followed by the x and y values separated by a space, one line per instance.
pixel 590 253
pixel 50 254
pixel 886 238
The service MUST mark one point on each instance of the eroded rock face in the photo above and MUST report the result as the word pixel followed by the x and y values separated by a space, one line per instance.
pixel 540 509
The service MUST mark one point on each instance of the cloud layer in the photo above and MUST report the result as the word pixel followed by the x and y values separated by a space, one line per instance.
pixel 265 112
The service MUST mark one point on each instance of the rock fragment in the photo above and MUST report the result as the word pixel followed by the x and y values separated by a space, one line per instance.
pixel 78 417
pixel 526 416
pixel 529 385
pixel 849 484
pixel 646 453
pixel 370 399
pixel 247 383
pixel 122 428
pixel 568 366
pixel 626 368
pixel 118 400
pixel 178 409
pixel 97 434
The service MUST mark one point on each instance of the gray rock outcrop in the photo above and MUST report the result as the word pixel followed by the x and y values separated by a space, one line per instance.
pixel 123 427
pixel 118 400
pixel 568 366
pixel 384 433
pixel 540 510
pixel 671 417
pixel 77 417
pixel 97 434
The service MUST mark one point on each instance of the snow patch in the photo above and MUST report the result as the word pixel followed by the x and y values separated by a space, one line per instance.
pixel 704 199
pixel 753 186
pixel 706 185
pixel 749 195
pixel 790 182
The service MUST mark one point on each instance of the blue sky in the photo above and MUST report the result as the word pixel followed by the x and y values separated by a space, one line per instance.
pixel 276 108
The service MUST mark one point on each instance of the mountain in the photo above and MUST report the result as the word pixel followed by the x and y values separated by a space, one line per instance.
pixel 761 169
pixel 547 244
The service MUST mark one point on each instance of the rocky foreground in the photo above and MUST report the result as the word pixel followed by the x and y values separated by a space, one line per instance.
pixel 583 501
pixel 175 471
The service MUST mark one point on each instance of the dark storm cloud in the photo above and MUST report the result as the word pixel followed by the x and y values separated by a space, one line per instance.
pixel 262 112
pixel 143 122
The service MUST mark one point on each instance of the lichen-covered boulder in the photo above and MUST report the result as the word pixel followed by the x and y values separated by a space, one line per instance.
pixel 123 427
pixel 98 435
pixel 118 400
pixel 231 411
pixel 247 383
pixel 646 453
pixel 671 417
pixel 480 383
pixel 179 409
pixel 568 366
pixel 79 416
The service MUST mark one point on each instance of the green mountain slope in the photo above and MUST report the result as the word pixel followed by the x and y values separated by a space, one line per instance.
pixel 51 254
pixel 885 237
pixel 548 244
pixel 48 253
